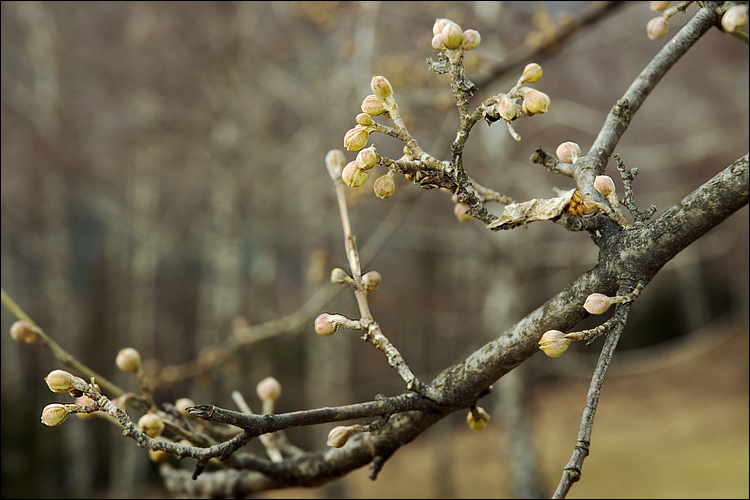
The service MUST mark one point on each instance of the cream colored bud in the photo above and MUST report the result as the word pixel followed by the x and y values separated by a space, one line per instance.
pixel 268 389
pixel 338 275
pixel 381 87
pixel 371 281
pixel 367 158
pixel 182 404
pixel 658 27
pixel 374 105
pixel 453 35
pixel 460 210
pixel 335 161
pixel 438 42
pixel 658 6
pixel 356 138
pixel 384 187
pixel 352 175
pixel 478 418
pixel 735 18
pixel 324 325
pixel 440 23
pixel 151 425
pixel 597 303
pixel 535 102
pixel 531 73
pixel 604 185
pixel 554 343
pixel 60 382
pixel 21 331
pixel 568 152
pixel 364 119
pixel 55 414
pixel 507 108
pixel 128 360
pixel 338 436
pixel 472 39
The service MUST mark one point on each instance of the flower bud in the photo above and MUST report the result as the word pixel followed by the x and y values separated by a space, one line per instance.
pixel 128 360
pixel 531 73
pixel 472 39
pixel 268 389
pixel 151 425
pixel 453 35
pixel 88 407
pixel 338 275
pixel 658 6
pixel 338 436
pixel 734 18
pixel 324 325
pixel 535 102
pixel 384 187
pixel 478 418
pixel 604 184
pixel 371 281
pixel 381 87
pixel 569 152
pixel 54 414
pixel 182 404
pixel 438 42
pixel 597 303
pixel 374 105
pixel 352 175
pixel 364 119
pixel 460 211
pixel 554 343
pixel 356 138
pixel 507 108
pixel 60 382
pixel 367 158
pixel 440 23
pixel 335 161
pixel 21 331
pixel 658 27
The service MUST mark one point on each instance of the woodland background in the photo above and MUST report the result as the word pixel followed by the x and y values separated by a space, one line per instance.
pixel 163 180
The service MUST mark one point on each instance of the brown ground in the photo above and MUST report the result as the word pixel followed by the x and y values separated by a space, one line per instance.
pixel 674 425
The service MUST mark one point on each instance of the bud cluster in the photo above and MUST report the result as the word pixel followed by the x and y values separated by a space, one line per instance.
pixel 519 101
pixel 448 35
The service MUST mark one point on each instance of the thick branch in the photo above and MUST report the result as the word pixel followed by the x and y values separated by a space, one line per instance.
pixel 464 383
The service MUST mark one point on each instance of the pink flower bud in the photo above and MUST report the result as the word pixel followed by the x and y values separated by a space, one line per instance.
pixel 352 175
pixel 21 331
pixel 381 87
pixel 356 138
pixel 554 343
pixel 460 210
pixel 735 18
pixel 384 187
pixel 438 42
pixel 440 23
pixel 453 35
pixel 604 185
pixel 472 39
pixel 597 303
pixel 374 105
pixel 531 73
pixel 367 158
pixel 658 6
pixel 535 102
pixel 268 389
pixel 324 325
pixel 569 152
pixel 658 27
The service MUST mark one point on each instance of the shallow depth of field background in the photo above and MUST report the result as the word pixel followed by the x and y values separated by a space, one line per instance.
pixel 163 183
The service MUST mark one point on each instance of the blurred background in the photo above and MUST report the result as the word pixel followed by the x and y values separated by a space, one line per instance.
pixel 163 187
